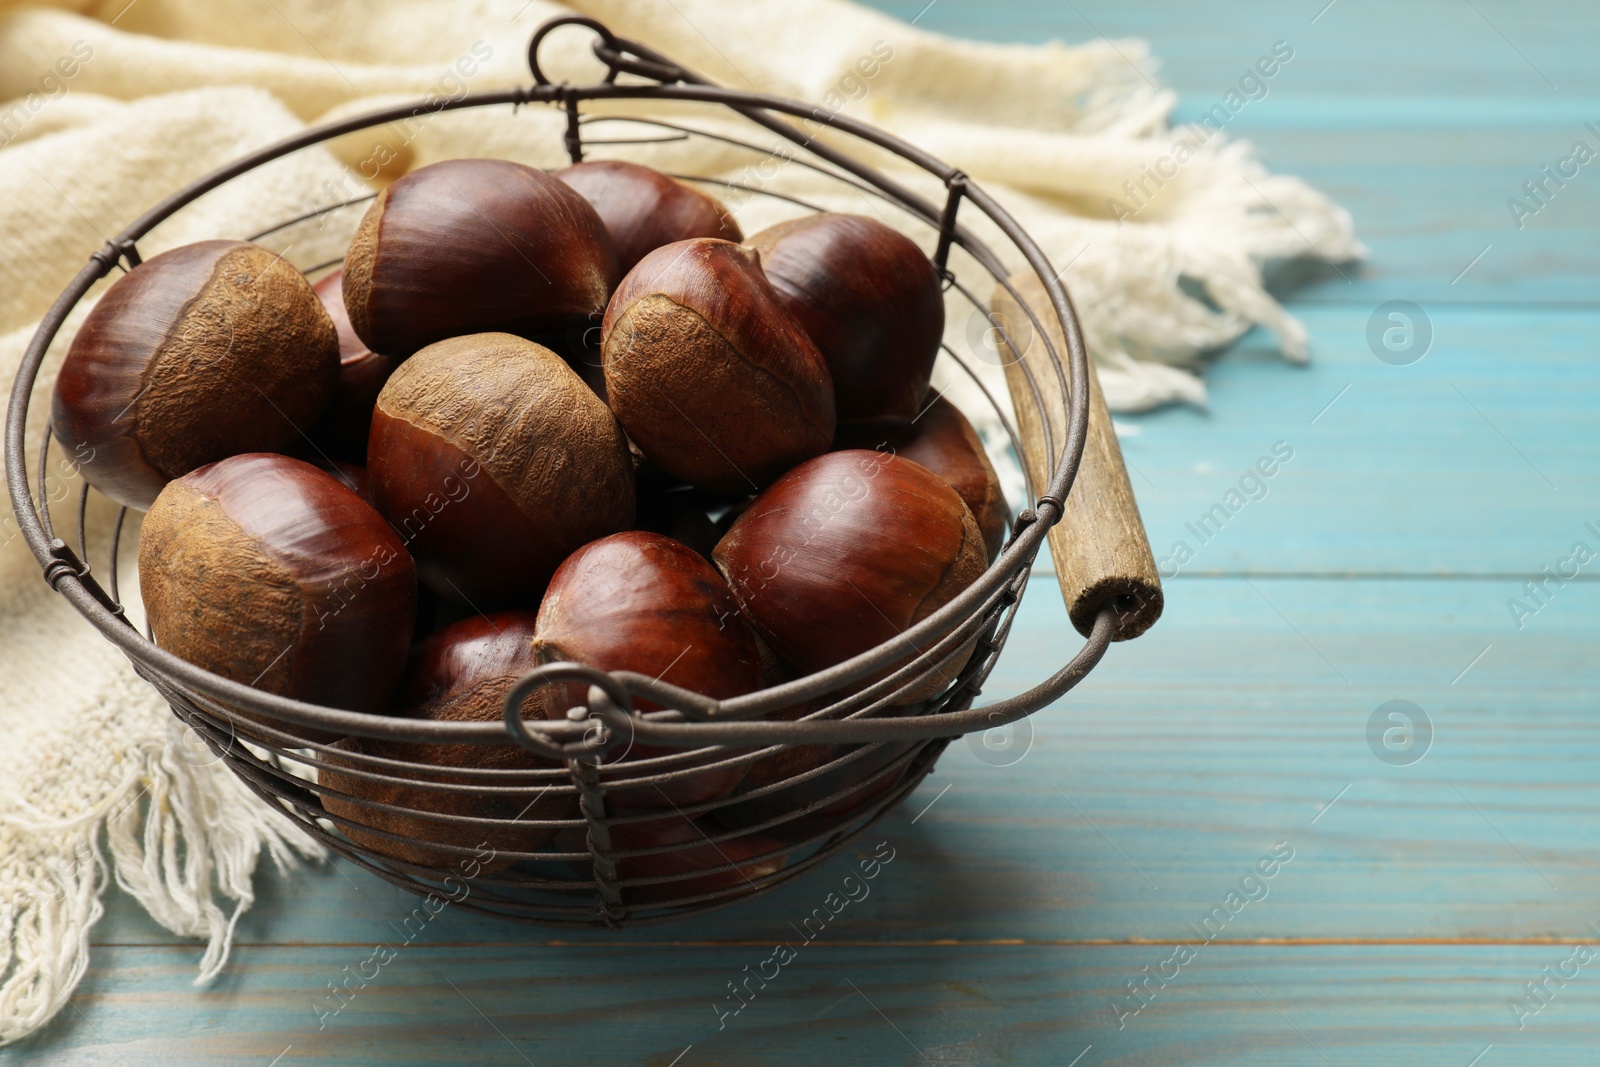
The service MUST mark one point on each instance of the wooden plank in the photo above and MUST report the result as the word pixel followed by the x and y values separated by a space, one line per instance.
pixel 1182 759
pixel 1421 119
pixel 1429 194
pixel 840 1004
pixel 1480 459
pixel 1358 48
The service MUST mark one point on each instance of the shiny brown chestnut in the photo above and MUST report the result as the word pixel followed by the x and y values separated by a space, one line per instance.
pixel 269 572
pixel 942 440
pixel 869 298
pixel 352 475
pixel 460 674
pixel 846 552
pixel 641 602
pixel 708 374
pixel 644 209
pixel 203 352
pixel 494 462
pixel 342 431
pixel 469 245
pixel 428 602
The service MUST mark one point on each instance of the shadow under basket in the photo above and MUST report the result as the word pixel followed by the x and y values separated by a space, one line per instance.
pixel 577 836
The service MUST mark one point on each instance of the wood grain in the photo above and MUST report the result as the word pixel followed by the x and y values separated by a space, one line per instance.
pixel 949 1005
pixel 1102 556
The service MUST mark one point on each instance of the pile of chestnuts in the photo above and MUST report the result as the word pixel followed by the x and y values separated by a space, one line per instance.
pixel 540 417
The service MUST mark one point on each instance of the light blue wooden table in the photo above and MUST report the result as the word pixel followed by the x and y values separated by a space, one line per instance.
pixel 1421 899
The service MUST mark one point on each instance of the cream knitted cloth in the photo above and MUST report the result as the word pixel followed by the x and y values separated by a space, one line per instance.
pixel 109 107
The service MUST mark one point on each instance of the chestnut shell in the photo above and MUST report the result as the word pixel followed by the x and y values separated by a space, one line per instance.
pixel 494 462
pixel 471 245
pixel 869 298
pixel 202 352
pixel 641 602
pixel 942 440
pixel 708 374
pixel 848 551
pixel 272 573
pixel 693 851
pixel 342 431
pixel 460 674
pixel 644 209
pixel 861 775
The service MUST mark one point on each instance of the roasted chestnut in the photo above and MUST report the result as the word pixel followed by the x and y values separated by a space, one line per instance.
pixel 269 572
pixel 644 209
pixel 846 552
pixel 342 431
pixel 469 245
pixel 712 379
pixel 869 298
pixel 200 353
pixel 641 602
pixel 942 440
pixel 494 462
pixel 460 674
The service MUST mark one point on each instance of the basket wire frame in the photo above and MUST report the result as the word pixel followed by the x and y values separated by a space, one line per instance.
pixel 577 886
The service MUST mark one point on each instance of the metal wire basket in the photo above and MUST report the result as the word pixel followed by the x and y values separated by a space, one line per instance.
pixel 868 740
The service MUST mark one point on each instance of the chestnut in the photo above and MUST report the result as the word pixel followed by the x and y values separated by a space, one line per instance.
pixel 748 851
pixel 469 245
pixel 644 209
pixel 269 572
pixel 641 602
pixel 869 298
pixel 341 433
pixel 200 353
pixel 712 379
pixel 494 462
pixel 696 851
pixel 860 775
pixel 847 551
pixel 352 475
pixel 942 440
pixel 429 603
pixel 460 674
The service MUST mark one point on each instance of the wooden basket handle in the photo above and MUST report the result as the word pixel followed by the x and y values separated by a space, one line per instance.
pixel 1102 555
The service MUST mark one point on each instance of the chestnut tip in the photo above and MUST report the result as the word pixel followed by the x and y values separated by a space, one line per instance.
pixel 717 384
